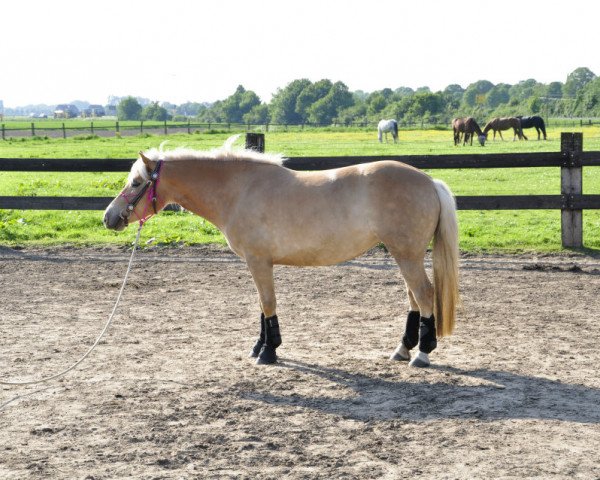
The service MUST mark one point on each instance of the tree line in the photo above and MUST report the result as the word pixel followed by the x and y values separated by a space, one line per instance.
pixel 325 103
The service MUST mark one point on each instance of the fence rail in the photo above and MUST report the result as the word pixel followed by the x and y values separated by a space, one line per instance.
pixel 571 159
pixel 55 128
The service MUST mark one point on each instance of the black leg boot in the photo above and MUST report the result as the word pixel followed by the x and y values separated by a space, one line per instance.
pixel 261 339
pixel 410 338
pixel 427 335
pixel 411 332
pixel 267 354
pixel 427 342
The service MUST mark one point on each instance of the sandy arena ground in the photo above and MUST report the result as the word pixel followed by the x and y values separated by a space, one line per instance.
pixel 170 392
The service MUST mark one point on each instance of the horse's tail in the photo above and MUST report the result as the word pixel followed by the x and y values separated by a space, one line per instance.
pixel 445 262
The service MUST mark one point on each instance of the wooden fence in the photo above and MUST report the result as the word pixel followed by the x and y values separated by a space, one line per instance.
pixel 102 127
pixel 571 159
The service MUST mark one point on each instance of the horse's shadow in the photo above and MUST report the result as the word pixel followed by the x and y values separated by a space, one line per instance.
pixel 477 393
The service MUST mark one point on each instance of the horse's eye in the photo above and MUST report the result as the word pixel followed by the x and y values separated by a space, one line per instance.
pixel 135 184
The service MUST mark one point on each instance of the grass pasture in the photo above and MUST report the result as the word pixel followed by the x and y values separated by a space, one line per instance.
pixel 508 231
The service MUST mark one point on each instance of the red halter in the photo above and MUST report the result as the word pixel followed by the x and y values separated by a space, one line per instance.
pixel 150 186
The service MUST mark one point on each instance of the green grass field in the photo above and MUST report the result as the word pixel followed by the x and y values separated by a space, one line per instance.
pixel 509 231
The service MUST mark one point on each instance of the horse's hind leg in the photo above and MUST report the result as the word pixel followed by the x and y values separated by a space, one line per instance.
pixel 421 297
pixel 270 336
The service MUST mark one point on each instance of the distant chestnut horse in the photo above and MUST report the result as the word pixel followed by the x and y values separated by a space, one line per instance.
pixel 467 126
pixel 272 215
pixel 533 122
pixel 504 123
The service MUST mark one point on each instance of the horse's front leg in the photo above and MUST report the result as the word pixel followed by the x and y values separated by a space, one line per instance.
pixel 270 338
pixel 411 331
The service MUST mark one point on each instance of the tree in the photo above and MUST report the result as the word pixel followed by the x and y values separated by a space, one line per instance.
pixel 535 105
pixel 526 89
pixel 554 90
pixel 129 109
pixel 237 105
pixel 588 99
pixel 425 104
pixel 190 109
pixel 258 115
pixel 404 91
pixel 355 113
pixel 154 111
pixel 283 105
pixel 576 80
pixel 325 110
pixel 310 95
pixel 454 91
pixel 234 107
pixel 498 95
pixel 475 93
pixel 376 103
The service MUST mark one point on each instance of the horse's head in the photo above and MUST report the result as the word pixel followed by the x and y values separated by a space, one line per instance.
pixel 138 200
pixel 482 139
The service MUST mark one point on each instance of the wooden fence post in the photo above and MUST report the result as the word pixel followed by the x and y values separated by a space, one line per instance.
pixel 64 130
pixel 255 141
pixel 32 129
pixel 166 128
pixel 571 146
pixel 3 133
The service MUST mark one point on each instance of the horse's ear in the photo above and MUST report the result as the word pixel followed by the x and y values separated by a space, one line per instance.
pixel 145 159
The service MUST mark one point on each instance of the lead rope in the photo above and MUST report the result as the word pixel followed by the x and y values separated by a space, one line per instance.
pixel 91 349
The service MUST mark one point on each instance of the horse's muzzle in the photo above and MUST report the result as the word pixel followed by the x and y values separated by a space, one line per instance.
pixel 115 222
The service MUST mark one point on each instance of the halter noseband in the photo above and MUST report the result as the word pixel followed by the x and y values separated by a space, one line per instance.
pixel 151 184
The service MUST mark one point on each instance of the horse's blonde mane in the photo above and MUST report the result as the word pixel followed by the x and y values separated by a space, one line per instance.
pixel 224 153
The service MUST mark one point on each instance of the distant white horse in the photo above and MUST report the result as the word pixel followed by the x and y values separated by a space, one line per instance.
pixel 386 126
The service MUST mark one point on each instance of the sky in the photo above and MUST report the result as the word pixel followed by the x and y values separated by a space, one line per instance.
pixel 191 50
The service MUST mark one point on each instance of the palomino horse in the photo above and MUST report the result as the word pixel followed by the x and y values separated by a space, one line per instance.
pixel 467 127
pixel 272 215
pixel 504 123
pixel 533 122
pixel 385 126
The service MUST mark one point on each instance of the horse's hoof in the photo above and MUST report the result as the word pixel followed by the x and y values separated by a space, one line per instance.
pixel 420 361
pixel 256 349
pixel 267 356
pixel 401 354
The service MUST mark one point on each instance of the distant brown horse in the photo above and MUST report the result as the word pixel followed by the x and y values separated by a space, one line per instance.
pixel 505 123
pixel 467 126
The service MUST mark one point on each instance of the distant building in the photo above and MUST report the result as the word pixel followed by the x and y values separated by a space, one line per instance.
pixel 111 110
pixel 66 111
pixel 94 111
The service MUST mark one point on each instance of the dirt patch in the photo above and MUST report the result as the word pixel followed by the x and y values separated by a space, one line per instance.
pixel 170 392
